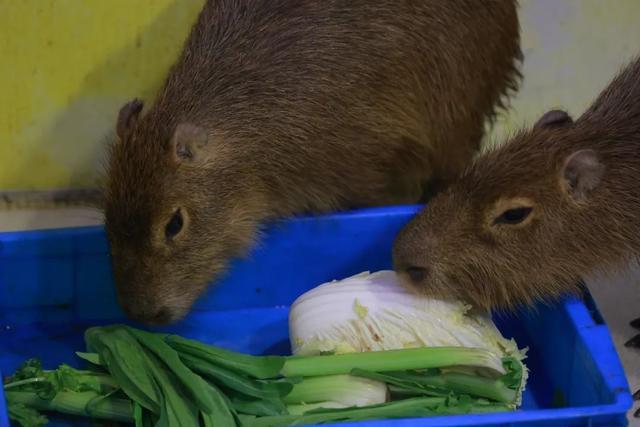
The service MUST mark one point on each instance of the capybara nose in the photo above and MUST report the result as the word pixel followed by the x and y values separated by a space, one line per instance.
pixel 148 316
pixel 416 274
pixel 161 317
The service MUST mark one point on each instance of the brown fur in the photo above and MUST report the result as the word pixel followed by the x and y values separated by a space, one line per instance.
pixel 291 106
pixel 581 179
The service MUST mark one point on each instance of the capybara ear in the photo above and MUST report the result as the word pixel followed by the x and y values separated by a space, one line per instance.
pixel 127 118
pixel 553 118
pixel 581 174
pixel 189 142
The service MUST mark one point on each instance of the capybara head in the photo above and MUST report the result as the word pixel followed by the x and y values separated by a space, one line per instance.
pixel 516 227
pixel 175 211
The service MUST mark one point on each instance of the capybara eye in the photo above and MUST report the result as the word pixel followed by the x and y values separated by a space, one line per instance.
pixel 174 225
pixel 513 216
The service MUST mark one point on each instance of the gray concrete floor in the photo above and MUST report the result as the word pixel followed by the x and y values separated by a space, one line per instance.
pixel 617 294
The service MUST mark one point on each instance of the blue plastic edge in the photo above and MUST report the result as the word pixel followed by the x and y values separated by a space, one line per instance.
pixel 38 234
pixel 4 413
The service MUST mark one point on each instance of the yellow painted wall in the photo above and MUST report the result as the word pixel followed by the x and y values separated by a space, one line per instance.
pixel 66 66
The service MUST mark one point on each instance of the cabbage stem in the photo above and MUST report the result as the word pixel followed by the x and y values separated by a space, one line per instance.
pixel 85 403
pixel 344 389
pixel 399 409
pixel 391 360
pixel 301 408
pixel 474 385
pixel 417 384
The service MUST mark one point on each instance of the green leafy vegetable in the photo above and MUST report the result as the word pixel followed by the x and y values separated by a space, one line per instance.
pixel 261 367
pixel 126 360
pixel 241 384
pixel 178 396
pixel 418 407
pixel 26 416
pixel 260 407
pixel 83 403
pixel 164 381
pixel 92 358
pixel 443 383
pixel 195 386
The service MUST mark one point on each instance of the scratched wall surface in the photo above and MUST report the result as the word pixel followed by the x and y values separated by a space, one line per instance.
pixel 572 48
pixel 68 65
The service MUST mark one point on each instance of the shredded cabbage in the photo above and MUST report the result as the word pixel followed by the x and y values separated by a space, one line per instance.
pixel 369 312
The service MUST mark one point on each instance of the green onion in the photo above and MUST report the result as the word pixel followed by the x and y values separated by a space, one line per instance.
pixel 344 389
pixel 164 380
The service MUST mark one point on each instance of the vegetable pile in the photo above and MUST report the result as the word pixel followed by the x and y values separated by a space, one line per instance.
pixel 336 373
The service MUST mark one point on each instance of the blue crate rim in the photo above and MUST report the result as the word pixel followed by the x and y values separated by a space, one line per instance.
pixel 31 234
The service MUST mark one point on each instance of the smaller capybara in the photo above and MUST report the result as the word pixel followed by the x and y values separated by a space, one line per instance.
pixel 281 107
pixel 530 219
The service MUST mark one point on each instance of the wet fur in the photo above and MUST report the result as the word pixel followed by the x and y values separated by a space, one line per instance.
pixel 566 240
pixel 310 107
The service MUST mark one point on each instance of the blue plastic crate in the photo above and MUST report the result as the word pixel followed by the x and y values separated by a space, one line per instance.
pixel 54 284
